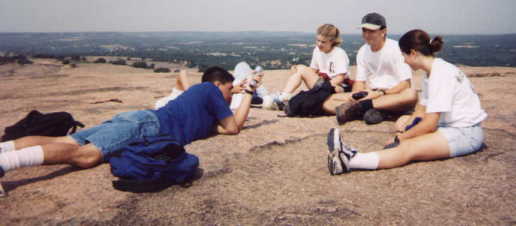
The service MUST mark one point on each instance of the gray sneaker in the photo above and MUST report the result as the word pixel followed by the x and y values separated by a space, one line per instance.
pixel 339 153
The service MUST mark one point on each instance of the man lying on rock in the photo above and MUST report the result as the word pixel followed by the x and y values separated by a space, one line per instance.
pixel 196 114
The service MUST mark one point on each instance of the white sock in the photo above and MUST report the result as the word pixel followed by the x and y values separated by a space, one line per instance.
pixel 31 156
pixel 365 161
pixel 285 96
pixel 7 146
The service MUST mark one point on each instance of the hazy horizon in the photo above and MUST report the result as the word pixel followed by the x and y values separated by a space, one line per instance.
pixel 436 17
pixel 250 31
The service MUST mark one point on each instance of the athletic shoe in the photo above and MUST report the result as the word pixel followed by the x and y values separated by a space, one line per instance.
pixel 270 102
pixel 348 112
pixel 339 153
pixel 274 102
pixel 373 116
pixel 280 105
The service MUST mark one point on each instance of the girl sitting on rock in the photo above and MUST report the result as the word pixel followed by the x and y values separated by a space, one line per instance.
pixel 449 116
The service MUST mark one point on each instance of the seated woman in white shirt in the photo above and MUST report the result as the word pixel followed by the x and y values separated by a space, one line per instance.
pixel 449 115
pixel 329 62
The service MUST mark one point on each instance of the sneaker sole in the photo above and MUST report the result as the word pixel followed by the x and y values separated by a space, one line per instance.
pixel 332 139
pixel 334 153
pixel 333 142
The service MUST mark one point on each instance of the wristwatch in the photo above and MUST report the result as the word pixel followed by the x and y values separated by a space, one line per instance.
pixel 249 92
pixel 381 90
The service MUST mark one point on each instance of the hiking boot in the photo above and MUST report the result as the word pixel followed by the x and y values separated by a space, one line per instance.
pixel 339 153
pixel 373 116
pixel 348 112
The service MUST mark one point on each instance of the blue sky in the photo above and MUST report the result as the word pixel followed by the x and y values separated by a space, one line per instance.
pixel 436 16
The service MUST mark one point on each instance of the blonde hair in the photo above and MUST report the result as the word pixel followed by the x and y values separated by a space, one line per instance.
pixel 331 32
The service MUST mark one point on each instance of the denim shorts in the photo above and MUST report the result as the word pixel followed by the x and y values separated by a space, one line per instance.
pixel 120 131
pixel 463 140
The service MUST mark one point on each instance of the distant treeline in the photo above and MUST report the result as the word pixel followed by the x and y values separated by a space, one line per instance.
pixel 273 50
pixel 20 59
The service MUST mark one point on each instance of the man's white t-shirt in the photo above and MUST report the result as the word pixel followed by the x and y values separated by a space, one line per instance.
pixel 448 90
pixel 382 69
pixel 333 63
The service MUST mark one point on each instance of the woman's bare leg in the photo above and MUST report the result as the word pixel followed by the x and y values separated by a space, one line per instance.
pixel 302 74
pixel 431 146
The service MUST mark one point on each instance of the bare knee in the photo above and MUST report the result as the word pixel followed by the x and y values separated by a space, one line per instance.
pixel 87 157
pixel 406 155
pixel 410 95
pixel 301 68
pixel 305 72
pixel 402 122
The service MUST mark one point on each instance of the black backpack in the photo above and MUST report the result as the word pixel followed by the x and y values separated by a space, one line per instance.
pixel 38 124
pixel 309 103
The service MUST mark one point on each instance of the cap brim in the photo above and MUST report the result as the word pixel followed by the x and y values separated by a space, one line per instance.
pixel 370 26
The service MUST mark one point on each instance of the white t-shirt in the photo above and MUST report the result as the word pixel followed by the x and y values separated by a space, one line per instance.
pixel 333 63
pixel 382 69
pixel 448 90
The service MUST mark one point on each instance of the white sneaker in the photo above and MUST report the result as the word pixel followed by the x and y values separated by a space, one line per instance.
pixel 284 97
pixel 339 153
pixel 270 102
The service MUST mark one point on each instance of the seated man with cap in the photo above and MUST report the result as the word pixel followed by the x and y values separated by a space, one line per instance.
pixel 382 81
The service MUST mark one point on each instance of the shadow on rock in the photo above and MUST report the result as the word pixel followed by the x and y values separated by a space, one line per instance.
pixel 11 185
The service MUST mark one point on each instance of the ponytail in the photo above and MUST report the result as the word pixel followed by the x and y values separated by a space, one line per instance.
pixel 419 40
pixel 436 44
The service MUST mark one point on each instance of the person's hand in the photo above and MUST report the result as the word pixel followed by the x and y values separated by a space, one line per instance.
pixel 392 143
pixel 252 85
pixel 258 74
pixel 375 94
pixel 338 89
pixel 238 88
pixel 259 79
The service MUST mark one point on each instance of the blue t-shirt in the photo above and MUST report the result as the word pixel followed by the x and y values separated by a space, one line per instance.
pixel 194 114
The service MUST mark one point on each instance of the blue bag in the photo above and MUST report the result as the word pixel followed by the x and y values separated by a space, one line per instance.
pixel 152 164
